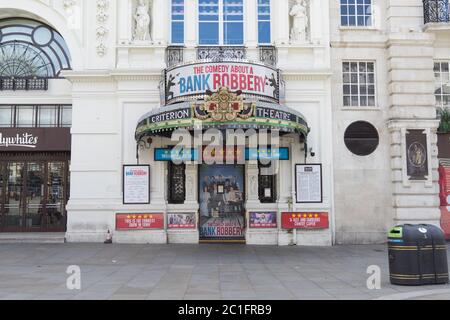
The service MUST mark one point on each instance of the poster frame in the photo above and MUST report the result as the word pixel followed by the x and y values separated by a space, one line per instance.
pixel 147 166
pixel 296 182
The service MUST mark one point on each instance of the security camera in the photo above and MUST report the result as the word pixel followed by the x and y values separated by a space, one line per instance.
pixel 312 153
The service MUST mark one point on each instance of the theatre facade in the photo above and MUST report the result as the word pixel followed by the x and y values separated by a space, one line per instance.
pixel 202 121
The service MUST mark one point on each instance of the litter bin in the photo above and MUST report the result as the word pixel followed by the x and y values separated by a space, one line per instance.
pixel 417 255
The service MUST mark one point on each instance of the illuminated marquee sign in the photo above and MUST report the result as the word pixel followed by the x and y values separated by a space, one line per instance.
pixel 194 80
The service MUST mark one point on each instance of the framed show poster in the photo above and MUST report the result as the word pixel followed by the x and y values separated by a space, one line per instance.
pixel 263 220
pixel 139 221
pixel 136 184
pixel 181 220
pixel 308 183
pixel 305 220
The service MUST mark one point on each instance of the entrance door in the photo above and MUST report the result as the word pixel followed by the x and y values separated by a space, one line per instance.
pixel 33 195
pixel 222 199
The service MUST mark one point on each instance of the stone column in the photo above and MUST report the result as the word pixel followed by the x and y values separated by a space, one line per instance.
pixel 280 22
pixel 191 184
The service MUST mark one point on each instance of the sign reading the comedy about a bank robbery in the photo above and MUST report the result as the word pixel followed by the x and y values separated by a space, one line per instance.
pixel 136 184
pixel 304 220
pixel 139 221
pixel 195 80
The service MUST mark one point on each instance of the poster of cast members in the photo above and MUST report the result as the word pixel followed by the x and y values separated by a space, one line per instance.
pixel 181 221
pixel 222 202
pixel 263 220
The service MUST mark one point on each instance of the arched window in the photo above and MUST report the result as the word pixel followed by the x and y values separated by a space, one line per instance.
pixel 30 53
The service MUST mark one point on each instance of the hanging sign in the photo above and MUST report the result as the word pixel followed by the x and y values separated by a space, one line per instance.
pixel 136 184
pixel 304 220
pixel 194 80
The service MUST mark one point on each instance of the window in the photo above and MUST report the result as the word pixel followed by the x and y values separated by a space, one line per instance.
pixel 24 116
pixel 359 84
pixel 361 138
pixel 177 21
pixel 267 183
pixel 65 118
pixel 221 22
pixel 264 22
pixel 356 13
pixel 177 185
pixel 6 116
pixel 48 117
pixel 442 83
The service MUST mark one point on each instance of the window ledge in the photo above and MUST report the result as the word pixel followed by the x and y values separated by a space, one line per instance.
pixel 355 28
pixel 361 109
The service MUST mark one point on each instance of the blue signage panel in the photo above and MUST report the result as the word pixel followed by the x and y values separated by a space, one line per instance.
pixel 267 154
pixel 168 154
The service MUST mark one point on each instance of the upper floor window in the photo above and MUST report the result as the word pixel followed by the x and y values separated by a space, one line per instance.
pixel 221 22
pixel 29 52
pixel 442 83
pixel 356 13
pixel 359 84
pixel 177 21
pixel 264 22
pixel 41 116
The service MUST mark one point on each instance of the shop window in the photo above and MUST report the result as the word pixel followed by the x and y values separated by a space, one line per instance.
pixel 177 183
pixel 25 116
pixel 359 84
pixel 6 116
pixel 177 21
pixel 356 13
pixel 48 117
pixel 264 22
pixel 267 183
pixel 361 138
pixel 221 22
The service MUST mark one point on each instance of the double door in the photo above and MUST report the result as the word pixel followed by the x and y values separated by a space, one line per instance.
pixel 33 194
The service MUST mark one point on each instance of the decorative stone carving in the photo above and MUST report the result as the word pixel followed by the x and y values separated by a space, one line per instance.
pixel 299 21
pixel 73 14
pixel 102 31
pixel 142 21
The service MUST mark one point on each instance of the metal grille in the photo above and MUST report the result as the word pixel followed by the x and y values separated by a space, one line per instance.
pixel 435 11
pixel 28 84
pixel 266 182
pixel 174 55
pixel 268 55
pixel 221 53
pixel 177 183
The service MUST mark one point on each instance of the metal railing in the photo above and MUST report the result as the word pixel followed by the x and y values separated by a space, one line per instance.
pixel 221 53
pixel 14 84
pixel 436 11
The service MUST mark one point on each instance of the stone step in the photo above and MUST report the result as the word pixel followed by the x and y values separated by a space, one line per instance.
pixel 34 237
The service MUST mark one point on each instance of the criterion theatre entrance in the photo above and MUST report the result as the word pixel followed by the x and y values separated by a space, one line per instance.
pixel 222 203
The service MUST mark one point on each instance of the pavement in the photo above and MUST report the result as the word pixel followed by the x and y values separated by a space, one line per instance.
pixel 199 272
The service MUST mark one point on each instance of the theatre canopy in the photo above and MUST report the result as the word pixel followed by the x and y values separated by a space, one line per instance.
pixel 222 95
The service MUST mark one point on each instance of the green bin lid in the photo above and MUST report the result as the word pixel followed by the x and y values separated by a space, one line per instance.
pixel 396 232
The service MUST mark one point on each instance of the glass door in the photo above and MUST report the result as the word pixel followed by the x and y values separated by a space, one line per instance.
pixel 13 207
pixel 34 195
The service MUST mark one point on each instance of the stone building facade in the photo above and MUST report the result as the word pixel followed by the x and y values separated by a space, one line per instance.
pixel 357 74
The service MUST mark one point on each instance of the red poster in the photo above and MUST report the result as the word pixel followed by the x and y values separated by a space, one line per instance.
pixel 139 221
pixel 304 220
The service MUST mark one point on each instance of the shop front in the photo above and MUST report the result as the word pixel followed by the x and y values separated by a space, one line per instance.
pixel 223 136
pixel 34 179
